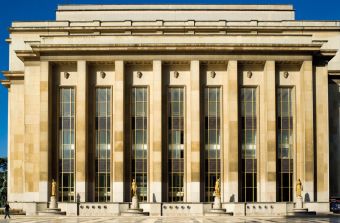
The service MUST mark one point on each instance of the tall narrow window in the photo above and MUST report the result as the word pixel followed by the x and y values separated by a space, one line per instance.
pixel 175 144
pixel 284 144
pixel 66 144
pixel 212 141
pixel 248 144
pixel 139 126
pixel 103 144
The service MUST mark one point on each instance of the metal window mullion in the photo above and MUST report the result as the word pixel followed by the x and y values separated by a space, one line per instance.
pixel 135 131
pixel 281 136
pixel 208 150
pixel 289 144
pixel 105 174
pixel 252 142
pixel 245 144
pixel 62 146
pixel 97 145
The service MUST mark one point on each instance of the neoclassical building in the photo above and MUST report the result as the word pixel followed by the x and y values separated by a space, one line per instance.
pixel 175 97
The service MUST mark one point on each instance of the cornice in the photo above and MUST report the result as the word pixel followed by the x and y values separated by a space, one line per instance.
pixel 6 83
pixel 211 48
pixel 14 75
pixel 168 47
pixel 25 55
pixel 334 72
pixel 212 28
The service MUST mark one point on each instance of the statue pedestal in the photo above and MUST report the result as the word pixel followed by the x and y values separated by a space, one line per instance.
pixel 299 210
pixel 299 203
pixel 217 209
pixel 217 203
pixel 134 203
pixel 134 209
pixel 53 202
pixel 52 209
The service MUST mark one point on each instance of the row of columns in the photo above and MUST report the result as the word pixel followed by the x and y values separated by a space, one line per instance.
pixel 267 132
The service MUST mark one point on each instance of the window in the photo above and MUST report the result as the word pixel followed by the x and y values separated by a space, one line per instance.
pixel 284 144
pixel 103 144
pixel 248 134
pixel 175 144
pixel 139 127
pixel 212 140
pixel 66 145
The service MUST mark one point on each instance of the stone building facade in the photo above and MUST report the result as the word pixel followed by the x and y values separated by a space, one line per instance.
pixel 176 97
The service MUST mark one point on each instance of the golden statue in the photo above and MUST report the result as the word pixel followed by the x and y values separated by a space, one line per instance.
pixel 217 192
pixel 134 188
pixel 299 188
pixel 54 188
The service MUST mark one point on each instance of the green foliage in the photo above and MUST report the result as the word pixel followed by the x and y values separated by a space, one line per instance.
pixel 3 181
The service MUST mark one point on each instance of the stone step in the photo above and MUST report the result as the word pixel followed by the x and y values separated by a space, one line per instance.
pixel 301 212
pixel 12 211
pixel 51 212
pixel 218 212
pixel 134 212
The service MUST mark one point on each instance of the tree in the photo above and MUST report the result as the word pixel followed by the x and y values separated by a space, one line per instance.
pixel 3 181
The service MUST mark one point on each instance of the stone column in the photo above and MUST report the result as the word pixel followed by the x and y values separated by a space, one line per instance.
pixel 193 134
pixel 322 133
pixel 305 141
pixel 118 131
pixel 44 132
pixel 81 131
pixel 155 170
pixel 230 123
pixel 32 131
pixel 267 167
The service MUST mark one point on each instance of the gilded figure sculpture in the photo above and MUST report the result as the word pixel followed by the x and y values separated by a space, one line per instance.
pixel 299 188
pixel 134 188
pixel 54 188
pixel 217 192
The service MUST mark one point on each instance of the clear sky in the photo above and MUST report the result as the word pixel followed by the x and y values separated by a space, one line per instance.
pixel 28 10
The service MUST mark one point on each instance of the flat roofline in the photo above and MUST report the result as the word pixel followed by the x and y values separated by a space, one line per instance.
pixel 205 7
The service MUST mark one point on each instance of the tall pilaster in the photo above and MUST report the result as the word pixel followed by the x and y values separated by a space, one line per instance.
pixel 230 123
pixel 322 133
pixel 309 136
pixel 81 131
pixel 193 133
pixel 267 165
pixel 44 132
pixel 118 131
pixel 305 140
pixel 155 170
pixel 32 131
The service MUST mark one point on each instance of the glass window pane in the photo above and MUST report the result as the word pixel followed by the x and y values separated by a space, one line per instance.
pixel 66 95
pixel 213 94
pixel 101 95
pixel 139 95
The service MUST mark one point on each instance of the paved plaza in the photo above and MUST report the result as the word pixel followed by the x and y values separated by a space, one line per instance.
pixel 28 219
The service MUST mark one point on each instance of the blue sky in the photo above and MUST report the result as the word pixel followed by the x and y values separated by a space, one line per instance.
pixel 28 10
